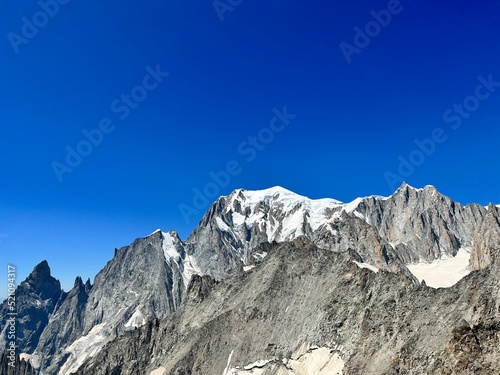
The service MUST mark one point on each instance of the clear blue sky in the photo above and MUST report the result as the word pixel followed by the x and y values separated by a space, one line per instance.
pixel 353 120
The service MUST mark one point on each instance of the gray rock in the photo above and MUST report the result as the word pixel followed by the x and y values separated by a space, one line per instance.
pixel 143 281
pixel 35 300
pixel 300 295
pixel 486 239
pixel 146 281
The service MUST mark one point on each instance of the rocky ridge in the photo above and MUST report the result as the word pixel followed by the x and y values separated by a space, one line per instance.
pixel 387 233
pixel 36 297
pixel 305 310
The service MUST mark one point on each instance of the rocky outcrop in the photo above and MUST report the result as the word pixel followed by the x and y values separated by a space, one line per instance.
pixel 306 304
pixel 422 224
pixel 486 242
pixel 66 325
pixel 410 226
pixel 14 366
pixel 144 281
pixel 35 300
pixel 147 281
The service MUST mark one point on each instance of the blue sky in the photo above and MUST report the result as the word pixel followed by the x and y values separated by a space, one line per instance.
pixel 349 124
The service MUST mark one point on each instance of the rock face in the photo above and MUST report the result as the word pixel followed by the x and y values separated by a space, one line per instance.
pixel 412 225
pixel 36 298
pixel 235 225
pixel 422 223
pixel 66 325
pixel 21 367
pixel 147 281
pixel 303 310
pixel 486 240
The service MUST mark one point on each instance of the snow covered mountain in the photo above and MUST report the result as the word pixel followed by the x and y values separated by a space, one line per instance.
pixel 411 226
pixel 416 233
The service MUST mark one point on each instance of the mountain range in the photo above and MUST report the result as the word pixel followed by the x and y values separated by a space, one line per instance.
pixel 271 282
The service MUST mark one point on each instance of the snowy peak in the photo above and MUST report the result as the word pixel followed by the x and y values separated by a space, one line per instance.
pixel 254 202
pixel 412 225
pixel 277 194
pixel 171 245
pixel 284 214
pixel 405 186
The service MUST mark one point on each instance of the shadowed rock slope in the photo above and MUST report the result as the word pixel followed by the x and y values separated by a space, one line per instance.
pixel 36 297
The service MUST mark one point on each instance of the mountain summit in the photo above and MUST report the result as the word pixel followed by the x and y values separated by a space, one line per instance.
pixel 417 235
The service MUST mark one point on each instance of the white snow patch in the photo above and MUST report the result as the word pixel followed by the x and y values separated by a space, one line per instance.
pixel 292 225
pixel 255 368
pixel 223 226
pixel 314 209
pixel 228 363
pixel 248 268
pixel 319 361
pixel 443 273
pixel 159 371
pixel 260 363
pixel 367 266
pixel 169 249
pixel 34 360
pixel 136 320
pixel 156 231
pixel 188 265
pixel 190 268
pixel 84 348
pixel 261 255
pixel 349 207
pixel 256 196
pixel 238 219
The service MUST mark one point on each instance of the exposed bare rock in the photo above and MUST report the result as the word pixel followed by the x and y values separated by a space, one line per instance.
pixel 302 299
pixel 20 366
pixel 35 299
pixel 147 280
pixel 486 241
